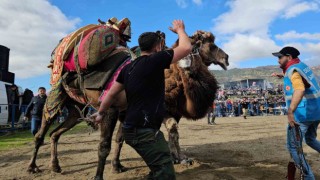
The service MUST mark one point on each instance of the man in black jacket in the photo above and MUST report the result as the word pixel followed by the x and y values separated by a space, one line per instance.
pixel 13 101
pixel 35 109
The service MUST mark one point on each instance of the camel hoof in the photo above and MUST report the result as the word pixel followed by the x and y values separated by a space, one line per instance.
pixel 56 169
pixel 117 168
pixel 187 161
pixel 33 169
pixel 176 161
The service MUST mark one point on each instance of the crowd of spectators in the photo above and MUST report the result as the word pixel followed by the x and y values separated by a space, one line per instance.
pixel 251 91
pixel 249 101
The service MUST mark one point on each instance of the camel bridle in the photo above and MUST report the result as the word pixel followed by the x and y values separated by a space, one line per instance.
pixel 186 62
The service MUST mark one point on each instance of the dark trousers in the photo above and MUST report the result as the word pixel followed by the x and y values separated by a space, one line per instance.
pixel 151 145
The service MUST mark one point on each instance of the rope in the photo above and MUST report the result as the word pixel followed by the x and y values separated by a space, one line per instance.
pixel 81 112
pixel 297 140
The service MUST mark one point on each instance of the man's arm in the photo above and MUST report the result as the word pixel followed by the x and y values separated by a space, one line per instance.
pixel 296 98
pixel 108 101
pixel 29 107
pixel 184 47
pixel 278 75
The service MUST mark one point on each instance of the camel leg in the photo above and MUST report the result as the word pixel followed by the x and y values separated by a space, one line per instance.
pixel 172 128
pixel 38 141
pixel 70 122
pixel 107 127
pixel 117 167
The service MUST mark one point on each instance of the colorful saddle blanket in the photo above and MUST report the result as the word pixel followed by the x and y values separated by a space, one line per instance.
pixel 100 79
pixel 83 49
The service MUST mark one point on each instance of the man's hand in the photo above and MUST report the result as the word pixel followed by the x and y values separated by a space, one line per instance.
pixel 25 118
pixel 177 25
pixel 278 75
pixel 291 120
pixel 98 117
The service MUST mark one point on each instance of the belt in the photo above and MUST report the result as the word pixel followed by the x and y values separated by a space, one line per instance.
pixel 138 130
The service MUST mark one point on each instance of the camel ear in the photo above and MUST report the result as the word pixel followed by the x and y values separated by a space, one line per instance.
pixel 210 36
pixel 200 31
pixel 195 33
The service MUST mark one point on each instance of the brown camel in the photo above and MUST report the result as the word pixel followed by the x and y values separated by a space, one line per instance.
pixel 182 96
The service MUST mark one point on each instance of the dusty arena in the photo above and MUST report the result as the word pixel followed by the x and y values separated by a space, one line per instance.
pixel 235 148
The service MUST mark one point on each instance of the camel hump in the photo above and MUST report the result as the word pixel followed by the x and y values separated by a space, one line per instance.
pixel 96 46
pixel 83 48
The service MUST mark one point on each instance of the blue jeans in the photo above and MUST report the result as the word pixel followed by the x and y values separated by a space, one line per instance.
pixel 35 124
pixel 308 131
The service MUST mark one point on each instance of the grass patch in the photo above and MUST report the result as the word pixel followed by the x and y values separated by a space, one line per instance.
pixel 21 138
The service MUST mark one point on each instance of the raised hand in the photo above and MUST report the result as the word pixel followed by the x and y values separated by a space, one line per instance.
pixel 177 25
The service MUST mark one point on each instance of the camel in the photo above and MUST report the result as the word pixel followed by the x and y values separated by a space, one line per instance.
pixel 179 81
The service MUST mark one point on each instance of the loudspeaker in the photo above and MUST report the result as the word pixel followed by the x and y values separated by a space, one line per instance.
pixel 7 77
pixel 4 58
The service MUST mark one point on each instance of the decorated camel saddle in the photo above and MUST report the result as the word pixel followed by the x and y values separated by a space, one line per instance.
pixel 89 58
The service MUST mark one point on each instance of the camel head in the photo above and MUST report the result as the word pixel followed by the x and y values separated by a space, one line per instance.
pixel 210 53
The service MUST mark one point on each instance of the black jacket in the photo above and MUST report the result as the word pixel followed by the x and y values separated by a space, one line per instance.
pixel 244 104
pixel 13 96
pixel 35 107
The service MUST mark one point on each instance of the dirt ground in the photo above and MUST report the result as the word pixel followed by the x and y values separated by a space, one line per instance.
pixel 235 148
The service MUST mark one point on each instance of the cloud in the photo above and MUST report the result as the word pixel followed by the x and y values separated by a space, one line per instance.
pixel 31 31
pixel 197 2
pixel 245 28
pixel 182 3
pixel 300 8
pixel 312 61
pixel 249 16
pixel 310 52
pixel 244 47
pixel 293 35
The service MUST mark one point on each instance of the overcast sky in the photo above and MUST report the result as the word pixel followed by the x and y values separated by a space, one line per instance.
pixel 248 30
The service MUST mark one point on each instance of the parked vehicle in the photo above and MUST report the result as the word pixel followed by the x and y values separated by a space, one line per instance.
pixel 8 108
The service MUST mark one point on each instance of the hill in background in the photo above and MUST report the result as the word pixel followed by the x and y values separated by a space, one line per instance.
pixel 263 72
